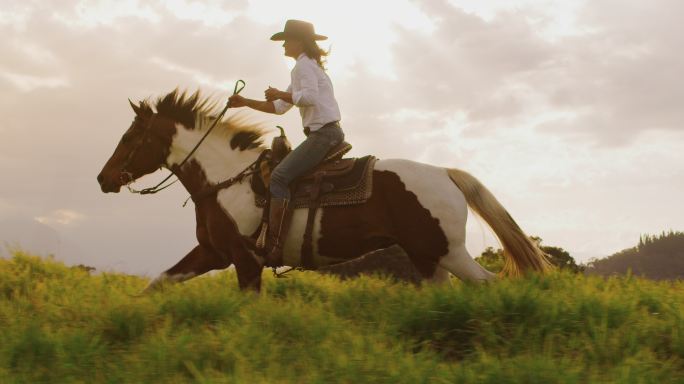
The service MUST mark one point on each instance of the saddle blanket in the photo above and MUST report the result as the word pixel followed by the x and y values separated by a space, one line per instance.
pixel 351 188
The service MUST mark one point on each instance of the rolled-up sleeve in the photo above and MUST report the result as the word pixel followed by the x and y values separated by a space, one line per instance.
pixel 282 106
pixel 305 86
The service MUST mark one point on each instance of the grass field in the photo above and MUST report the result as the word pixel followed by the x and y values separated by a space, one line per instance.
pixel 60 324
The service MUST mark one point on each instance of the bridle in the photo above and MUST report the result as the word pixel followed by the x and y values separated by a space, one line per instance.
pixel 239 86
pixel 127 176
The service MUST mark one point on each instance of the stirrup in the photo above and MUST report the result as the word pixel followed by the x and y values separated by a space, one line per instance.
pixel 279 260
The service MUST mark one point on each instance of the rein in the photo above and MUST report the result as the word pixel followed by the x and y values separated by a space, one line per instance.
pixel 239 86
pixel 250 170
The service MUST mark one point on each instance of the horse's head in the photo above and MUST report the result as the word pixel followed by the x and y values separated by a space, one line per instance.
pixel 143 149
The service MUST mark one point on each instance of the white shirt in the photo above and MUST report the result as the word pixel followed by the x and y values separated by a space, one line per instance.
pixel 312 92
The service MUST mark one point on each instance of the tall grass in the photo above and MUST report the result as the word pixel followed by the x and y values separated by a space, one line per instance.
pixel 60 324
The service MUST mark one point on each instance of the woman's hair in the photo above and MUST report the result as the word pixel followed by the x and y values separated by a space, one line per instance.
pixel 315 52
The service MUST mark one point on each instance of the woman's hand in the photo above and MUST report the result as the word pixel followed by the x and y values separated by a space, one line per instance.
pixel 236 101
pixel 273 94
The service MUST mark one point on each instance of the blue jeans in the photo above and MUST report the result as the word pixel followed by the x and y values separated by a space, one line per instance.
pixel 304 158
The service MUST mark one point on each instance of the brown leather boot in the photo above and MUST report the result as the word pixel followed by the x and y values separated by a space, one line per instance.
pixel 278 225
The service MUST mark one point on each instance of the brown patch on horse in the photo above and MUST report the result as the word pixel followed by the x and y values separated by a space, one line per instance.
pixel 392 215
pixel 246 140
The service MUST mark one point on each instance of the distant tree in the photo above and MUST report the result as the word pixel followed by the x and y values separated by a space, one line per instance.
pixel 84 267
pixel 493 259
pixel 559 256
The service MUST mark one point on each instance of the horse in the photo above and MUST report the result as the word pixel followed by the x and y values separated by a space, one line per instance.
pixel 420 207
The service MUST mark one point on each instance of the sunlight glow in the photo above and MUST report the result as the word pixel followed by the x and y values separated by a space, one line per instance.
pixel 357 33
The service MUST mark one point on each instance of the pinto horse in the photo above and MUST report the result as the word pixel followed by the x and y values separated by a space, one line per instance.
pixel 421 208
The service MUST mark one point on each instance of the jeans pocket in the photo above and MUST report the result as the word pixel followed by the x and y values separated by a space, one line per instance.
pixel 326 138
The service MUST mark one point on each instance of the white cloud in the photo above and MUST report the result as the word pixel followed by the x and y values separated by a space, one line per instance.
pixel 612 80
pixel 89 14
pixel 28 83
pixel 209 12
pixel 61 217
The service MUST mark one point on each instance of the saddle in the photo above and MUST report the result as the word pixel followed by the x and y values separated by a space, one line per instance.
pixel 340 181
pixel 336 181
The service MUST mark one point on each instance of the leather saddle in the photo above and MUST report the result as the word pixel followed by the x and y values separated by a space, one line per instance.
pixel 334 174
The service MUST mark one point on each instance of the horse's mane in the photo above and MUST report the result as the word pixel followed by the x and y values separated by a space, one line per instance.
pixel 197 112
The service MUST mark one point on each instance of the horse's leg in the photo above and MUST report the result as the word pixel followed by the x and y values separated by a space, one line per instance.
pixel 221 231
pixel 440 276
pixel 247 267
pixel 197 262
pixel 459 262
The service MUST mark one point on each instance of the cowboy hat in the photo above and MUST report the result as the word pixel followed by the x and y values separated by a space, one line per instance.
pixel 297 29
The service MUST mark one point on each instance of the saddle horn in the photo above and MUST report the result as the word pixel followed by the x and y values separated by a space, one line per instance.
pixel 280 147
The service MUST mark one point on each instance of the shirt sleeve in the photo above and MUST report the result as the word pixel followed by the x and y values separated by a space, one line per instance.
pixel 282 106
pixel 305 86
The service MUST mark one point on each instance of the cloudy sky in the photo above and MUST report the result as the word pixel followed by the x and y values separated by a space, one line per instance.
pixel 570 111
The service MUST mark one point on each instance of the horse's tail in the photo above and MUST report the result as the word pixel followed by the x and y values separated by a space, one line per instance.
pixel 520 253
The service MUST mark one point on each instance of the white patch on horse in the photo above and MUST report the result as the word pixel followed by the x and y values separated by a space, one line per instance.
pixel 219 162
pixel 295 239
pixel 440 196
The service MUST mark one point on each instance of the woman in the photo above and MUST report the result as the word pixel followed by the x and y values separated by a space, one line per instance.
pixel 312 92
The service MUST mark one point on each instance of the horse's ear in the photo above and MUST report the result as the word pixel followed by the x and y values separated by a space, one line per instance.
pixel 136 109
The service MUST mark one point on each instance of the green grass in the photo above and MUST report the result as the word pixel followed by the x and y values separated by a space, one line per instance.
pixel 60 324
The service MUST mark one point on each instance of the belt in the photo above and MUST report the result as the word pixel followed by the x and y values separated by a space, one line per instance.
pixel 307 130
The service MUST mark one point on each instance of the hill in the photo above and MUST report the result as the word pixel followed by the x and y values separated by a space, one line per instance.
pixel 61 324
pixel 655 257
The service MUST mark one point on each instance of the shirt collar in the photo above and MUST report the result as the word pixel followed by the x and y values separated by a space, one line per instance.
pixel 301 55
